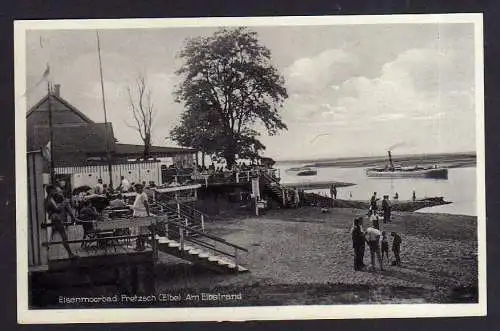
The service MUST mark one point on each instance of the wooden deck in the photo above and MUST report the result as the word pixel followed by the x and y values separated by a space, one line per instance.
pixel 125 247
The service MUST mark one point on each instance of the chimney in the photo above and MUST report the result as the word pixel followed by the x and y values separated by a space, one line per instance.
pixel 57 89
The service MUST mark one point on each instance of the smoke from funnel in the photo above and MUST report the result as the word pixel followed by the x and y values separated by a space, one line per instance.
pixel 398 145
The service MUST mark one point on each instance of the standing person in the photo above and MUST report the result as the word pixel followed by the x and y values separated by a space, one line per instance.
pixel 373 202
pixel 99 188
pixel 141 209
pixel 358 243
pixel 124 184
pixel 333 194
pixel 384 243
pixel 373 235
pixel 296 197
pixel 414 196
pixel 87 215
pixel 374 219
pixel 396 248
pixel 333 191
pixel 396 196
pixel 386 208
pixel 58 210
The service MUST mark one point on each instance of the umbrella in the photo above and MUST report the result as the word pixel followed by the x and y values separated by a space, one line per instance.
pixel 98 201
pixel 81 189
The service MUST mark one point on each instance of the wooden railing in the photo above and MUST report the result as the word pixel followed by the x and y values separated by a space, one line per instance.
pixel 210 246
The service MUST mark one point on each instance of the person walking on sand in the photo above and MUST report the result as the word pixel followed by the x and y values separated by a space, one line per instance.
pixel 373 235
pixel 396 248
pixel 386 208
pixel 414 196
pixel 358 243
pixel 384 243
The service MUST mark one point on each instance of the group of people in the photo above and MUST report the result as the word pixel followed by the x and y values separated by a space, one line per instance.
pixel 386 207
pixel 377 242
pixel 62 211
pixel 125 186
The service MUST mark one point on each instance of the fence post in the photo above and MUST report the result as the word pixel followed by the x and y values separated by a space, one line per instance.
pixel 202 223
pixel 237 176
pixel 187 224
pixel 181 232
pixel 284 197
pixel 248 176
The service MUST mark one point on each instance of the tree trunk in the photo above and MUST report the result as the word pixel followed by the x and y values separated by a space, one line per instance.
pixel 230 159
pixel 203 159
pixel 147 148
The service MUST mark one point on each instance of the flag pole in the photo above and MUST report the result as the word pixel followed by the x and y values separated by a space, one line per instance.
pixel 51 132
pixel 106 138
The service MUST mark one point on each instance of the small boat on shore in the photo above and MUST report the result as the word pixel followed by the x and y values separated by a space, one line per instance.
pixel 303 171
pixel 391 171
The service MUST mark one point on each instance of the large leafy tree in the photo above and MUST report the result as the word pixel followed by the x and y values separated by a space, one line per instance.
pixel 228 85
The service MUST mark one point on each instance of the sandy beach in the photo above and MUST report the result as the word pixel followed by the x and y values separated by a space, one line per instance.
pixel 303 256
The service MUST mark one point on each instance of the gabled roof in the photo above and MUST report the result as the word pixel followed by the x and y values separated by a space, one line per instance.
pixel 63 102
pixel 88 138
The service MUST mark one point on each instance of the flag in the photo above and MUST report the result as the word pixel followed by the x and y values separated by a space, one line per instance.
pixel 46 151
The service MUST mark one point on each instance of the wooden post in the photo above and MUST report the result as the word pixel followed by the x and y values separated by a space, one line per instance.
pixel 202 223
pixel 181 232
pixel 236 259
pixel 237 176
pixel 284 197
pixel 154 246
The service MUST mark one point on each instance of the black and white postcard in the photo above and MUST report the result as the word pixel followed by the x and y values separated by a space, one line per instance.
pixel 222 169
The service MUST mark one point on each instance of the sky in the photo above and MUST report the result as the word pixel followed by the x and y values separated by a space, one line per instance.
pixel 354 90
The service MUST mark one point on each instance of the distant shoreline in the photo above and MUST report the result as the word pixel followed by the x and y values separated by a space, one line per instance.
pixel 456 160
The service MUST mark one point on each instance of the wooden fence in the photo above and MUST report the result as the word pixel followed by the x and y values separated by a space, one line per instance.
pixel 136 172
pixel 37 255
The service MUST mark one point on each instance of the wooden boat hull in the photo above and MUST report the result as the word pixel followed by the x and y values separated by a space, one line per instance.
pixel 439 173
pixel 307 173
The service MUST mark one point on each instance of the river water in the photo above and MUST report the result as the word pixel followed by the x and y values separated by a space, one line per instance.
pixel 459 188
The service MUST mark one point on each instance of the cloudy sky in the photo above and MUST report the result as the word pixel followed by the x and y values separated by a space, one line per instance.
pixel 353 90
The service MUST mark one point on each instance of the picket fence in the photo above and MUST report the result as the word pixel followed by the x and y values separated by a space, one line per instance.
pixel 136 172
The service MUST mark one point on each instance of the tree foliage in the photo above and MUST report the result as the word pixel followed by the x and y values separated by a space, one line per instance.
pixel 228 86
pixel 143 112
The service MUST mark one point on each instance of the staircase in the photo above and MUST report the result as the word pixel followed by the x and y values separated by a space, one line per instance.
pixel 279 192
pixel 198 256
pixel 184 237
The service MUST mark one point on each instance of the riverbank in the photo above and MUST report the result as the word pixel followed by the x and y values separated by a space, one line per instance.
pixel 304 256
pixel 317 185
pixel 397 205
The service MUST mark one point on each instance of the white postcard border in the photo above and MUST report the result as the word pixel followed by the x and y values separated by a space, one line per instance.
pixel 27 316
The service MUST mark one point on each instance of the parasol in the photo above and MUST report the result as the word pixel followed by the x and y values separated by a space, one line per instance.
pixel 81 189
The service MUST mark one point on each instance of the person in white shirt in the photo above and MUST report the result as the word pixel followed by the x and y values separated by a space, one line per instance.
pixel 99 188
pixel 373 236
pixel 141 209
pixel 125 184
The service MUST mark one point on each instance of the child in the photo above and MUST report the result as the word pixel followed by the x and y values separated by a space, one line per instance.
pixel 385 245
pixel 396 248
